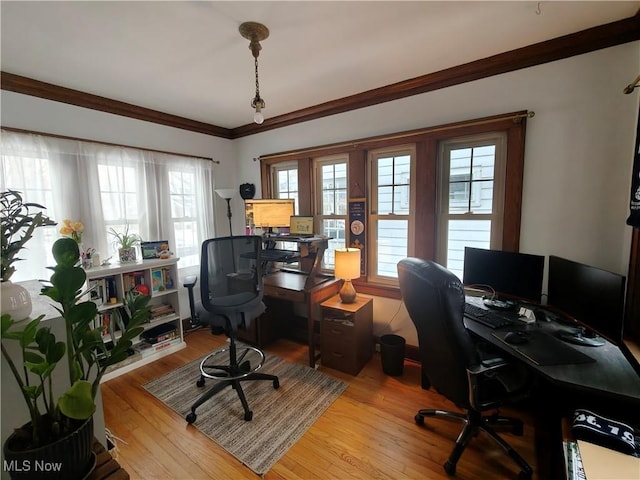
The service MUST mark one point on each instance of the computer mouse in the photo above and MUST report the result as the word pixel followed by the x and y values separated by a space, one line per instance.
pixel 516 338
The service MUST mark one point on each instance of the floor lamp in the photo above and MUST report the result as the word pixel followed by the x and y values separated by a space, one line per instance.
pixel 227 194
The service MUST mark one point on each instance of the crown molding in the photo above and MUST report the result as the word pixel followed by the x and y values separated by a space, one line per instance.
pixel 585 41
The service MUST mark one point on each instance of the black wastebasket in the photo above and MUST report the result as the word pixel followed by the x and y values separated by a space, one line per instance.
pixel 392 353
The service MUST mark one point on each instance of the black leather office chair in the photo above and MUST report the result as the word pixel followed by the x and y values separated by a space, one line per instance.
pixel 231 297
pixel 451 362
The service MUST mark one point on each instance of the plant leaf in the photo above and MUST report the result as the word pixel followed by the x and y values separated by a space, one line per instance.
pixel 77 402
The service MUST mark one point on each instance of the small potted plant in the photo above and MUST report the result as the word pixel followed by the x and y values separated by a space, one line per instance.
pixel 126 244
pixel 19 222
pixel 61 428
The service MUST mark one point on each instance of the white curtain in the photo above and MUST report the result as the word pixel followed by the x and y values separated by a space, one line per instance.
pixel 160 196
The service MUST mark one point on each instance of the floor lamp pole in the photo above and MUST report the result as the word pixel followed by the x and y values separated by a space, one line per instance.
pixel 229 215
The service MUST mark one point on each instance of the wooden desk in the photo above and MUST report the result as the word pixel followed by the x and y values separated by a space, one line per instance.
pixel 290 287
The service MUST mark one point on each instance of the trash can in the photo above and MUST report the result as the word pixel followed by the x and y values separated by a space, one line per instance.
pixel 392 353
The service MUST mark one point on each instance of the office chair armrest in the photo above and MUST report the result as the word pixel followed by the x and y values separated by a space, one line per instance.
pixel 190 281
pixel 501 372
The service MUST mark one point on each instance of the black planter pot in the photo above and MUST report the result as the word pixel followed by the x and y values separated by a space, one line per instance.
pixel 68 458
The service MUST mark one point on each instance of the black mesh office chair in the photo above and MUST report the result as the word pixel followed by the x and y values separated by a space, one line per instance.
pixel 434 298
pixel 231 297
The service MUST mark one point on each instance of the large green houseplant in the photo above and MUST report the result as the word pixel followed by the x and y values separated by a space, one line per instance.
pixel 83 347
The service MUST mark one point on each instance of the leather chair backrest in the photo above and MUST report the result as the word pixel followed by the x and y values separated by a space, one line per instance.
pixel 434 298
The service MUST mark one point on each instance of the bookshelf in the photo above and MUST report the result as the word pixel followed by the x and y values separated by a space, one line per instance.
pixel 163 333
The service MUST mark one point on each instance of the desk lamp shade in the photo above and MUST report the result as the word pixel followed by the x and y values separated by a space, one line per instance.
pixel 347 267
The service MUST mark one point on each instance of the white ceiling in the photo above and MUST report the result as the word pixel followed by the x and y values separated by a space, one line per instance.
pixel 187 58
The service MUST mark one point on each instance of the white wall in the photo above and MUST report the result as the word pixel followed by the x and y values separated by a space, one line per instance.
pixel 578 153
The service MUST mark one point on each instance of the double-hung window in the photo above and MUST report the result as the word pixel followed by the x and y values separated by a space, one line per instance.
pixel 390 221
pixel 184 215
pixel 471 196
pixel 285 181
pixel 331 197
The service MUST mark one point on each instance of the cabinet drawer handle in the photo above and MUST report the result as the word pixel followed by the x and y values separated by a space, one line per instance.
pixel 338 354
pixel 333 330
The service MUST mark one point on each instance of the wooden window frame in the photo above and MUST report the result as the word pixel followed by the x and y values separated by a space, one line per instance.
pixel 426 144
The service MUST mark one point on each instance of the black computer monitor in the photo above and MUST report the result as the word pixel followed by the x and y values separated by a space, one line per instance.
pixel 590 295
pixel 510 273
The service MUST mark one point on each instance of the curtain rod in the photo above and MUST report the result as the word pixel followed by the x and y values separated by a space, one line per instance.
pixel 629 88
pixel 78 139
pixel 422 131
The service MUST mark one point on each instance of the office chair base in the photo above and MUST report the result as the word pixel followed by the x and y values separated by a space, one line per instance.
pixel 236 385
pixel 474 423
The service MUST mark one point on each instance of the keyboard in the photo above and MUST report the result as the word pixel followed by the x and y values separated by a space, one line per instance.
pixel 489 318
pixel 277 255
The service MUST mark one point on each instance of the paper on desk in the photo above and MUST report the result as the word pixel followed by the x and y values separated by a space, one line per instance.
pixel 604 464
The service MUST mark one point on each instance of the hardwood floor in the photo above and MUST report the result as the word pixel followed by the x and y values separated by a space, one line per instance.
pixel 369 432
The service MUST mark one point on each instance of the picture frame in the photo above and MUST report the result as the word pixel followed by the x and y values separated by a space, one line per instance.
pixel 154 249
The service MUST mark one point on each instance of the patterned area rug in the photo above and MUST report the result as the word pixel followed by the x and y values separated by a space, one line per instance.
pixel 280 417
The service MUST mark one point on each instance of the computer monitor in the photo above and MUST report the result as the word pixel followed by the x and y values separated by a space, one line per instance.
pixel 510 273
pixel 590 295
pixel 269 213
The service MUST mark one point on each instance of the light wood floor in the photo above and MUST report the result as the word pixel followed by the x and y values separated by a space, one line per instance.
pixel 368 433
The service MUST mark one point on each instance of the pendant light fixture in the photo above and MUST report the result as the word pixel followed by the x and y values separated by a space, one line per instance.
pixel 255 32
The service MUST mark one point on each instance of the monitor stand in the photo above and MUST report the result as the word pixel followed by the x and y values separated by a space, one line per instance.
pixel 579 338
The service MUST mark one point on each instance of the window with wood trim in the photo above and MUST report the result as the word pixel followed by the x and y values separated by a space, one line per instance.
pixel 285 181
pixel 331 206
pixel 390 220
pixel 404 194
pixel 470 196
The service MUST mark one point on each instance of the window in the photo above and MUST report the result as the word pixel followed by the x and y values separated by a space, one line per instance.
pixel 390 220
pixel 331 211
pixel 427 192
pixel 183 194
pixel 471 192
pixel 30 174
pixel 159 196
pixel 285 182
pixel 119 198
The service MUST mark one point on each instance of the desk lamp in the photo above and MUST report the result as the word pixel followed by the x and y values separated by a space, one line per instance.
pixel 347 267
pixel 227 194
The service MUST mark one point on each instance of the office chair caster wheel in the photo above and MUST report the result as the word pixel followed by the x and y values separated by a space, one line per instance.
pixel 248 416
pixel 276 384
pixel 191 417
pixel 450 468
pixel 419 419
pixel 200 383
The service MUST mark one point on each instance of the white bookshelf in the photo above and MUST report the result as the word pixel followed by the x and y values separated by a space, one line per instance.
pixel 160 279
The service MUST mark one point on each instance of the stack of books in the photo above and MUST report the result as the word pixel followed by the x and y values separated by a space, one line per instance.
pixel 161 311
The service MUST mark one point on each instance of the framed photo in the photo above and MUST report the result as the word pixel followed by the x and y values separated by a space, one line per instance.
pixel 154 249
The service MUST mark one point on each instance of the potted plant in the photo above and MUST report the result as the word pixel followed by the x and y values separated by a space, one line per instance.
pixel 126 244
pixel 19 222
pixel 57 422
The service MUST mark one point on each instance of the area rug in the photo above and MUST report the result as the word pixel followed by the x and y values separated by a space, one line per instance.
pixel 280 417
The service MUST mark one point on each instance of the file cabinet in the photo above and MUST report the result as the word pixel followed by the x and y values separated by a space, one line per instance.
pixel 346 333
